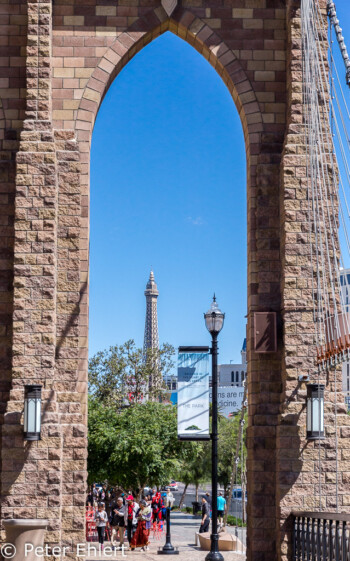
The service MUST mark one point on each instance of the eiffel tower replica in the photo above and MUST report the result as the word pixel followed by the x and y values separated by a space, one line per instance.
pixel 151 340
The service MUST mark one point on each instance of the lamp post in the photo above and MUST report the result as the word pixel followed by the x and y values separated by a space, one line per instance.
pixel 214 321
pixel 168 548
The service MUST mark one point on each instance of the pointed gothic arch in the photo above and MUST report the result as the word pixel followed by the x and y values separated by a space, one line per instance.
pixel 203 38
pixel 195 32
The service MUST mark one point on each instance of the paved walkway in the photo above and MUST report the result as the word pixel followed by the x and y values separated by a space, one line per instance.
pixel 183 529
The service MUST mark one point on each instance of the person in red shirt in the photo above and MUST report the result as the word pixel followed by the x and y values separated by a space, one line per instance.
pixel 131 513
pixel 157 504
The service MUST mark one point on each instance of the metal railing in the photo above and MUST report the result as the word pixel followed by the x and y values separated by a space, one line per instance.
pixel 321 536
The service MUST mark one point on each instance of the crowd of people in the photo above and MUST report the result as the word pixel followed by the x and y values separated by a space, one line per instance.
pixel 123 514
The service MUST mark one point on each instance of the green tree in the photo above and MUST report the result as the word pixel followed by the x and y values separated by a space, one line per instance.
pixel 195 467
pixel 133 447
pixel 238 462
pixel 228 436
pixel 123 374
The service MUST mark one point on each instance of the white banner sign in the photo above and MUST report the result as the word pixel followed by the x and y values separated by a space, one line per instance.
pixel 193 394
pixel 229 399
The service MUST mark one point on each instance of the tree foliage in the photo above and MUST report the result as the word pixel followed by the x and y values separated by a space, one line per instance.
pixel 134 446
pixel 195 466
pixel 228 435
pixel 133 437
pixel 122 374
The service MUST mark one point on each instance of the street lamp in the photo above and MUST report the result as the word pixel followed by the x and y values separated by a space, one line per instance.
pixel 32 413
pixel 315 412
pixel 214 321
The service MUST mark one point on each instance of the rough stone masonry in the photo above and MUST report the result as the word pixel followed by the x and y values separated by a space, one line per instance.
pixel 57 61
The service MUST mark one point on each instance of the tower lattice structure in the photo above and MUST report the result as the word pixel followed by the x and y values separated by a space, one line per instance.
pixel 151 340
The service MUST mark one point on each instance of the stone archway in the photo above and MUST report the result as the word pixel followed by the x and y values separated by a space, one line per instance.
pixel 198 34
pixel 73 54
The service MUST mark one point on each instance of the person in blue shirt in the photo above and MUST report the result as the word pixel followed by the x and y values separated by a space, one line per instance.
pixel 221 508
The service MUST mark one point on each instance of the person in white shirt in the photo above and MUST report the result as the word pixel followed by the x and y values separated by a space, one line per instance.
pixel 101 520
pixel 169 498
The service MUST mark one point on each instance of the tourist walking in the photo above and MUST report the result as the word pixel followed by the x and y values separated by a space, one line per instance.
pixel 204 527
pixel 164 505
pixel 101 520
pixel 157 505
pixel 109 502
pixel 148 497
pixel 117 522
pixel 131 512
pixel 208 499
pixel 94 495
pixel 102 494
pixel 221 508
pixel 89 498
pixel 141 536
pixel 169 498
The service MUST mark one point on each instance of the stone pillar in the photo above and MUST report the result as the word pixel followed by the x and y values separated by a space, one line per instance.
pixel 32 471
pixel 12 86
pixel 264 295
pixel 71 341
pixel 264 371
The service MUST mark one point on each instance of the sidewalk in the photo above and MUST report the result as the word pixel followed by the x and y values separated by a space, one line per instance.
pixel 183 529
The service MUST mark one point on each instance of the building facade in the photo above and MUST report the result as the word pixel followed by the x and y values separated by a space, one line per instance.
pixel 234 374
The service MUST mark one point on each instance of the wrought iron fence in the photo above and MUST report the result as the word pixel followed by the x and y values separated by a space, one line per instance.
pixel 321 536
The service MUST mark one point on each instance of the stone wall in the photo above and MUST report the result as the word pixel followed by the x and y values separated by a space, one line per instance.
pixel 307 468
pixel 12 103
pixel 61 60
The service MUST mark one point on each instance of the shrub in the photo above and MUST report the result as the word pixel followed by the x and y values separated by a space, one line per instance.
pixel 233 521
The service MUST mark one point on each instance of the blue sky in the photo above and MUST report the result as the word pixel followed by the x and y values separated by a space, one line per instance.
pixel 343 14
pixel 168 191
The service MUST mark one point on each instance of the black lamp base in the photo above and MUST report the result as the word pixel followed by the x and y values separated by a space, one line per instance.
pixel 214 556
pixel 214 553
pixel 168 548
pixel 168 551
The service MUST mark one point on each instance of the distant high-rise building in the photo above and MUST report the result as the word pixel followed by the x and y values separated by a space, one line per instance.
pixel 151 340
